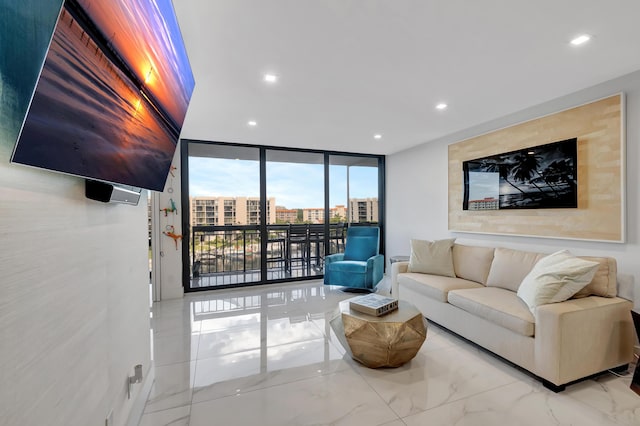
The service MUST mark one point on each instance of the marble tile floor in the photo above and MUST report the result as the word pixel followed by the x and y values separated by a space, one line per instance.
pixel 267 355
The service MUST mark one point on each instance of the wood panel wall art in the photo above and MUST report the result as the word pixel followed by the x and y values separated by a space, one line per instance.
pixel 599 128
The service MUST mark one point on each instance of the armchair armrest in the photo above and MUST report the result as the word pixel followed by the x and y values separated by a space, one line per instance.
pixel 375 260
pixel 337 257
pixel 397 268
pixel 375 266
pixel 581 337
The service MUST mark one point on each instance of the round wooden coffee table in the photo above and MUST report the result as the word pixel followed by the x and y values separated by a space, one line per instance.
pixel 386 341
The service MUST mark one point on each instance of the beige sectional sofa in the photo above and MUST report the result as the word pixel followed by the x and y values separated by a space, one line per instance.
pixel 563 342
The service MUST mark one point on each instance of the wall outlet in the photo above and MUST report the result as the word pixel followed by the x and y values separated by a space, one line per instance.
pixel 109 420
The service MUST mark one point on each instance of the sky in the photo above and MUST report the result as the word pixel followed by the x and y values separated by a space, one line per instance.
pixel 293 185
pixel 483 185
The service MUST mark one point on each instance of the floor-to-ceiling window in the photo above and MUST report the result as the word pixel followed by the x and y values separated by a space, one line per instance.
pixel 224 215
pixel 354 188
pixel 295 181
pixel 266 214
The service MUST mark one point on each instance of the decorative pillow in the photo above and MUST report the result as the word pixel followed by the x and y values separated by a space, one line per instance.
pixel 432 257
pixel 555 278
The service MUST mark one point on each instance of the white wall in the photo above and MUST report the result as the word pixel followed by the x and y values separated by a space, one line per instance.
pixel 417 187
pixel 168 261
pixel 74 304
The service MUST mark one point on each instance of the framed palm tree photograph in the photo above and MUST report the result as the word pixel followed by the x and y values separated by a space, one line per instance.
pixel 539 177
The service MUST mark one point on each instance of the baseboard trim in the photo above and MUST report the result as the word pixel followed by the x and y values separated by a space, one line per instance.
pixel 137 410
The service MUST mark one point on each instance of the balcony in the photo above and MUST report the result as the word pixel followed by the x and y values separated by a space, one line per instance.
pixel 226 256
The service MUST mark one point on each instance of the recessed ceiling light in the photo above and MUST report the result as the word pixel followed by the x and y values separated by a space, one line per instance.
pixel 377 136
pixel 252 123
pixel 441 106
pixel 270 78
pixel 581 39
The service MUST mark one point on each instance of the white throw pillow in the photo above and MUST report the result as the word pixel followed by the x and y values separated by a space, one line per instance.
pixel 555 278
pixel 432 257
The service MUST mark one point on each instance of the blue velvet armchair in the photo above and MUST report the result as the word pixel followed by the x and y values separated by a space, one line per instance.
pixel 360 267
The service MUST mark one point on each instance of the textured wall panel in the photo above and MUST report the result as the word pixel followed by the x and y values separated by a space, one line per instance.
pixel 600 214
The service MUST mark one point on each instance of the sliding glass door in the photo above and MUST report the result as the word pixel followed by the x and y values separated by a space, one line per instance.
pixel 355 195
pixel 224 210
pixel 354 187
pixel 264 214
pixel 295 184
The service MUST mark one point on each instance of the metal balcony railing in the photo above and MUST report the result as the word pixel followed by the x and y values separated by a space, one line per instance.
pixel 292 250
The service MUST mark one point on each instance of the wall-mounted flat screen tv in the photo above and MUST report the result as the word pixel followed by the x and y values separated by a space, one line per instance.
pixel 112 94
pixel 543 176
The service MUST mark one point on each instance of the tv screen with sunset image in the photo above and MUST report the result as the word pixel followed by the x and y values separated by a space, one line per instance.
pixel 112 94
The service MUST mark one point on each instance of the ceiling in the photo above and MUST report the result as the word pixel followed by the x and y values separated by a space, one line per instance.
pixel 349 69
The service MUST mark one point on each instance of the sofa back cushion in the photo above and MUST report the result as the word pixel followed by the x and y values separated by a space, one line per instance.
pixel 604 282
pixel 472 263
pixel 509 267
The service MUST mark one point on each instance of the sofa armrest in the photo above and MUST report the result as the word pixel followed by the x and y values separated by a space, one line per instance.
pixel 581 337
pixel 397 268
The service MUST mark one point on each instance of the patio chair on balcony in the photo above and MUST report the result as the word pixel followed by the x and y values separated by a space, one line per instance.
pixel 361 267
pixel 298 246
pixel 336 237
pixel 316 243
pixel 276 247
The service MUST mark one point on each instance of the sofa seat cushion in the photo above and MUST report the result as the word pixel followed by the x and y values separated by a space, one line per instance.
pixel 434 286
pixel 500 306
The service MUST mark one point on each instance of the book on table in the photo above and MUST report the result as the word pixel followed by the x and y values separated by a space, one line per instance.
pixel 373 304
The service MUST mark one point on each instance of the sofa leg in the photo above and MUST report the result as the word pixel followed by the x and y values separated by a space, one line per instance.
pixel 552 387
pixel 621 369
